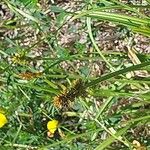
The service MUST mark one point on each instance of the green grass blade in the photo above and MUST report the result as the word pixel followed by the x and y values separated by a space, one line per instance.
pixel 24 14
pixel 116 73
pixel 111 139
pixel 95 45
pixel 137 24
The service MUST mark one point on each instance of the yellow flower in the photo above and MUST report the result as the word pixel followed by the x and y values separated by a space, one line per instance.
pixel 3 120
pixel 52 126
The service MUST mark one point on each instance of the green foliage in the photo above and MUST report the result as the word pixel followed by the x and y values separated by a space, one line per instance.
pixel 49 55
pixel 29 2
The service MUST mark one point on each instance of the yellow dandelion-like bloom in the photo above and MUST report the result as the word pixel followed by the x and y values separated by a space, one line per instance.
pixel 52 126
pixel 3 120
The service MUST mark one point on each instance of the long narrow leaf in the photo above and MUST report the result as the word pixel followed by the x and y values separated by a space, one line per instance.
pixel 111 139
pixel 116 73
